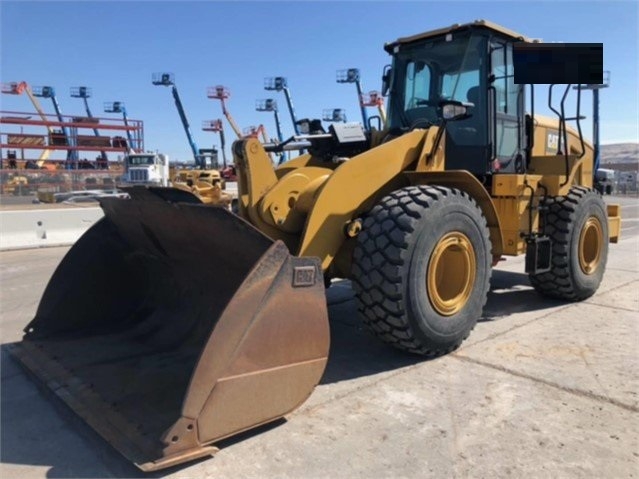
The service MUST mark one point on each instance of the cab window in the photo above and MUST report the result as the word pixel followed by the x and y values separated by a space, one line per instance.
pixel 417 84
pixel 507 104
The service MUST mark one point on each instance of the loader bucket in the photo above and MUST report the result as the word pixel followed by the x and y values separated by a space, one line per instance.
pixel 171 325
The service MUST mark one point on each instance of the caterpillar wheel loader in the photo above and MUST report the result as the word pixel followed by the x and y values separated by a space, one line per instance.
pixel 140 334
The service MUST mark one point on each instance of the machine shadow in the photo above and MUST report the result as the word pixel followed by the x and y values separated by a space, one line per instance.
pixel 355 352
pixel 511 293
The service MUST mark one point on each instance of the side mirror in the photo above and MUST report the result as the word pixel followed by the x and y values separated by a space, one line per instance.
pixel 453 110
pixel 386 79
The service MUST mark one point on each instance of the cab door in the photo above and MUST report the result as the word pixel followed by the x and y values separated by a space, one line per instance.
pixel 506 108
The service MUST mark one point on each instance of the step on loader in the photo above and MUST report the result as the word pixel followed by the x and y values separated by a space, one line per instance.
pixel 172 324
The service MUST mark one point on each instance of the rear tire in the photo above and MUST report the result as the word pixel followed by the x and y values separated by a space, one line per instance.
pixel 421 268
pixel 578 227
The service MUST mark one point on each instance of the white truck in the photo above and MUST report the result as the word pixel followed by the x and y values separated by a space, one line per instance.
pixel 146 169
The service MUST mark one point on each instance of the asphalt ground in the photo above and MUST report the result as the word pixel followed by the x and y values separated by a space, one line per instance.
pixel 541 388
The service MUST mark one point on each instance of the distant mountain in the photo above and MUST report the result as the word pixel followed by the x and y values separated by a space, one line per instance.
pixel 620 156
pixel 620 153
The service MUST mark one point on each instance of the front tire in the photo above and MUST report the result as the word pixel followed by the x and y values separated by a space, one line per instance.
pixel 578 228
pixel 421 268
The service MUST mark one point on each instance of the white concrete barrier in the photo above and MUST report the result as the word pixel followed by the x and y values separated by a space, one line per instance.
pixel 52 227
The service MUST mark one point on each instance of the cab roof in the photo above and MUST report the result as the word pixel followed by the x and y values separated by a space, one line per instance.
pixel 477 24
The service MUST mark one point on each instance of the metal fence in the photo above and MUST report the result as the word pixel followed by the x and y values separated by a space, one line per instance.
pixel 24 182
pixel 27 182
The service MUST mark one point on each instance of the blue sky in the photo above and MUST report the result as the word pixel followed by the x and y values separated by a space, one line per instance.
pixel 115 47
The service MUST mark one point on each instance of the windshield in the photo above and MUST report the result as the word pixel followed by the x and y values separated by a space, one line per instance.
pixel 139 160
pixel 431 71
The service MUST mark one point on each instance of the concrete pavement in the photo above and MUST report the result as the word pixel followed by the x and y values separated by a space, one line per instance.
pixel 541 388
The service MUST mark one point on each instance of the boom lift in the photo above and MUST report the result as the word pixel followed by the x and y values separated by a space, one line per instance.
pixel 168 79
pixel 206 185
pixel 49 92
pixel 178 356
pixel 228 170
pixel 217 127
pixel 281 84
pixel 119 107
pixel 17 88
pixel 84 93
pixel 375 99
pixel 351 75
pixel 271 105
pixel 334 115
pixel 222 93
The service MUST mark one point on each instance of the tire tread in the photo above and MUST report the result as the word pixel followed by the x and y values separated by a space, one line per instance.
pixel 379 265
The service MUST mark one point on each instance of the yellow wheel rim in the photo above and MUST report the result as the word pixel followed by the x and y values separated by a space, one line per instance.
pixel 590 244
pixel 451 273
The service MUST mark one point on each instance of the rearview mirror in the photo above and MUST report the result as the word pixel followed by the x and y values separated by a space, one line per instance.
pixel 386 79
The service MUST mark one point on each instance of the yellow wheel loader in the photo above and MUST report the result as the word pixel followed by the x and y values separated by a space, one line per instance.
pixel 142 336
pixel 207 185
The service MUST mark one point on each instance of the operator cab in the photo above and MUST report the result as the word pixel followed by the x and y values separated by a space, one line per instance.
pixel 471 66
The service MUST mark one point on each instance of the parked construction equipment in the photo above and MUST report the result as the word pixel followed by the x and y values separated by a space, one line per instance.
pixel 85 93
pixel 334 115
pixel 61 137
pixel 375 99
pixel 228 170
pixel 372 98
pixel 171 325
pixel 220 92
pixel 206 191
pixel 119 107
pixel 168 79
pixel 281 84
pixel 270 104
pixel 216 126
pixel 18 88
pixel 17 185
pixel 351 75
